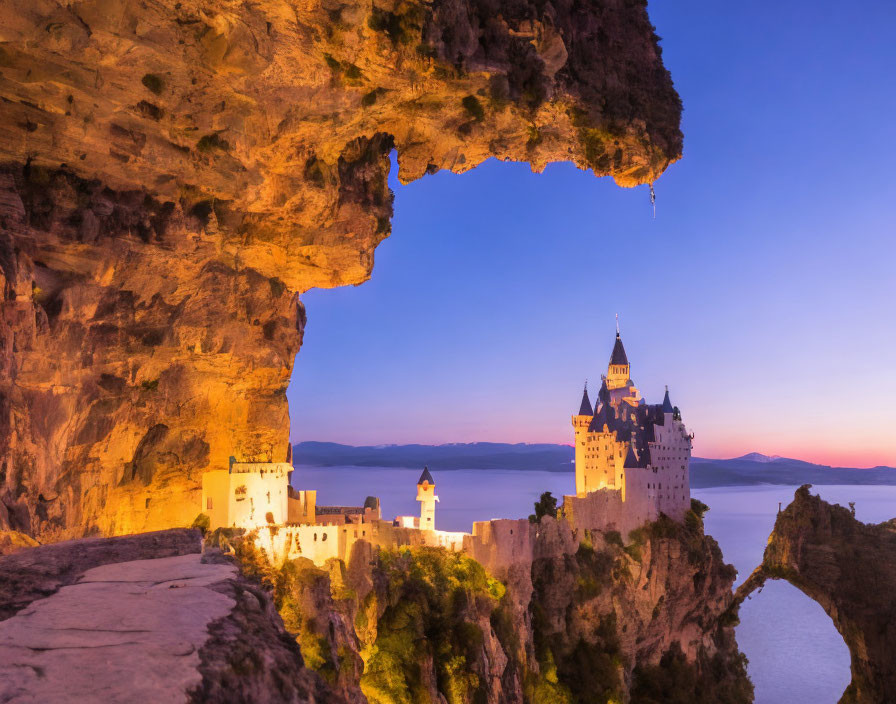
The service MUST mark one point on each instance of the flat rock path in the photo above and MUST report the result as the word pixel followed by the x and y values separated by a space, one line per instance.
pixel 125 632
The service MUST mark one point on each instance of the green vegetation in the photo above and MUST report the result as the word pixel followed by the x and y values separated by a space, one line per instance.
pixel 699 508
pixel 613 537
pixel 154 83
pixel 202 523
pixel 674 680
pixel 545 506
pixel 433 597
pixel 474 108
pixel 587 673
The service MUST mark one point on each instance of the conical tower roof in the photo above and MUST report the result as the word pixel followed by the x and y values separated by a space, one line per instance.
pixel 426 477
pixel 618 356
pixel 585 409
pixel 667 404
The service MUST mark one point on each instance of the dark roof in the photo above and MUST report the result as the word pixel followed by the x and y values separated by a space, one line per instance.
pixel 426 477
pixel 618 356
pixel 604 394
pixel 585 409
pixel 601 418
pixel 667 404
pixel 372 502
pixel 631 461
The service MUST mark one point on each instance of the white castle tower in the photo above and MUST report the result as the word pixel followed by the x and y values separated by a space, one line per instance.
pixel 426 495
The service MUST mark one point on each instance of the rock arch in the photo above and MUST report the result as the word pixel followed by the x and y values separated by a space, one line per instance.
pixel 849 568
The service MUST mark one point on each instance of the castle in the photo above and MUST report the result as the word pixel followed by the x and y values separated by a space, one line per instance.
pixel 631 466
pixel 624 444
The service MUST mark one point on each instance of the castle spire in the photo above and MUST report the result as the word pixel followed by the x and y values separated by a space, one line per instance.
pixel 618 357
pixel 667 404
pixel 585 408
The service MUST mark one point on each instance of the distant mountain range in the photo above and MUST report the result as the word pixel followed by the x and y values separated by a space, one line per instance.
pixel 753 468
pixel 474 455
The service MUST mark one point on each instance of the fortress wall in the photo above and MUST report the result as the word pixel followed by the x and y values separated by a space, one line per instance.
pixel 317 543
pixel 605 510
pixel 451 540
pixel 255 495
pixel 216 497
pixel 500 543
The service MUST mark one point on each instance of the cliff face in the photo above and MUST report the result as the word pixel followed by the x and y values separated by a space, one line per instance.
pixel 173 175
pixel 642 622
pixel 158 616
pixel 849 568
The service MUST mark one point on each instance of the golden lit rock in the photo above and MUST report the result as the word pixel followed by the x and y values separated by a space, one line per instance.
pixel 173 175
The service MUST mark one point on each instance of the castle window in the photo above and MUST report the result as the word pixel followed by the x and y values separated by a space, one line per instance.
pixel 323 537
pixel 208 502
pixel 315 537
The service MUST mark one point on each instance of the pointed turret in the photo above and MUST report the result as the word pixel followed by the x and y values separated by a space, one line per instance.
pixel 618 356
pixel 426 495
pixel 667 404
pixel 585 409
pixel 631 460
pixel 618 370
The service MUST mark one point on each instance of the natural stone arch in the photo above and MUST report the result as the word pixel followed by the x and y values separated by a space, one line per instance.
pixel 849 568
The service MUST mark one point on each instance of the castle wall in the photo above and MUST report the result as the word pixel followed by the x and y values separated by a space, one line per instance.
pixel 500 543
pixel 671 454
pixel 246 495
pixel 216 497
pixel 301 506
pixel 258 497
pixel 605 509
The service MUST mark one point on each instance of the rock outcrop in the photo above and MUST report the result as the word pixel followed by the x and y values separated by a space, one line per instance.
pixel 849 568
pixel 645 620
pixel 143 618
pixel 173 175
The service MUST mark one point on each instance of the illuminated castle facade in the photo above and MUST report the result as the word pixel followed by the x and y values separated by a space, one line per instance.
pixel 624 444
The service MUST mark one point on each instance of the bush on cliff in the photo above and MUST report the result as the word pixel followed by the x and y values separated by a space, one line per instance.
pixel 435 599
pixel 675 680
pixel 545 506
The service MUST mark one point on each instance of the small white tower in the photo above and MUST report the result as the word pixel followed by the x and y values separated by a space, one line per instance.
pixel 426 495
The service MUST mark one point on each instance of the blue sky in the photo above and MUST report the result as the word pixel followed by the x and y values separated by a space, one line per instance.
pixel 764 293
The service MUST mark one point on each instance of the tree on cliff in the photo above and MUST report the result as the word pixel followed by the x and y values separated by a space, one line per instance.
pixel 545 506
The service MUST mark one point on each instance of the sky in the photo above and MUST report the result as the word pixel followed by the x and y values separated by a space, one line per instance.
pixel 763 294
